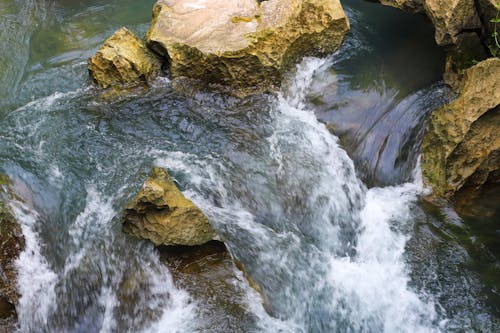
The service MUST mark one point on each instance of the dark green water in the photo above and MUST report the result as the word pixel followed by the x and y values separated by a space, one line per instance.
pixel 296 204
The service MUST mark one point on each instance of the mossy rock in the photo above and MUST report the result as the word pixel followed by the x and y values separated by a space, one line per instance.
pixel 461 146
pixel 124 61
pixel 244 44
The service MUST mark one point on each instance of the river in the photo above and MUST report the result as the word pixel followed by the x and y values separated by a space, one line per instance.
pixel 315 189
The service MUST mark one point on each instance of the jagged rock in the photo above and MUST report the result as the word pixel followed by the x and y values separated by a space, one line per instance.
pixel 244 44
pixel 462 144
pixel 123 61
pixel 162 214
pixel 452 17
pixel 11 245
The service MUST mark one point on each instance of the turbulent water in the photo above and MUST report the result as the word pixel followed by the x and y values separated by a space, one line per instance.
pixel 330 226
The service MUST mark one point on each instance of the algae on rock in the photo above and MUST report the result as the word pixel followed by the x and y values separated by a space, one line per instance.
pixel 162 214
pixel 462 143
pixel 123 60
pixel 11 244
pixel 244 44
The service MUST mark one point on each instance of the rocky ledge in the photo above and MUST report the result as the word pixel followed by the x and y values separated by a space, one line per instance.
pixel 461 147
pixel 244 45
pixel 123 60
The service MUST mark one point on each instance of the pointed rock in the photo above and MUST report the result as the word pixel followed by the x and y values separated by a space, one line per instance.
pixel 123 60
pixel 162 214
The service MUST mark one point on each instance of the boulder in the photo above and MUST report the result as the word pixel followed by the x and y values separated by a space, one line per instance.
pixel 461 146
pixel 162 214
pixel 123 61
pixel 11 245
pixel 452 17
pixel 244 44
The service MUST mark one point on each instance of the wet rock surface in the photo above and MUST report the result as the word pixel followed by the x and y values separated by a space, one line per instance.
pixel 451 18
pixel 210 276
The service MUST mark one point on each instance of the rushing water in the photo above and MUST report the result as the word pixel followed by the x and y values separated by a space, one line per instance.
pixel 295 204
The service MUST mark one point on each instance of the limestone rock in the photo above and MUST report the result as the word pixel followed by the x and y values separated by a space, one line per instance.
pixel 244 44
pixel 462 144
pixel 162 214
pixel 123 60
pixel 11 245
pixel 452 17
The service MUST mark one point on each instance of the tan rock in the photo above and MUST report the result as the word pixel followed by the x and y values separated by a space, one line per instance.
pixel 451 17
pixel 162 214
pixel 242 43
pixel 123 60
pixel 462 143
pixel 210 275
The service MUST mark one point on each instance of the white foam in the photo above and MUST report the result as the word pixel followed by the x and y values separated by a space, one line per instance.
pixel 36 281
pixel 372 287
pixel 375 281
pixel 109 301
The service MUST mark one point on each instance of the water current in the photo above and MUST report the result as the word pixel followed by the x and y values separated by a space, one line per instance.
pixel 315 189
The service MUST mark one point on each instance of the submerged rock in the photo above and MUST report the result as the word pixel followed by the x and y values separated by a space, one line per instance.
pixel 188 244
pixel 123 60
pixel 210 275
pixel 462 143
pixel 162 214
pixel 244 44
pixel 11 245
